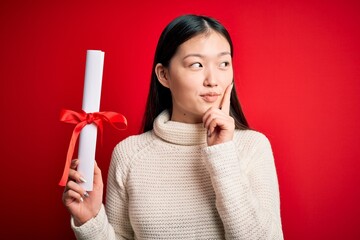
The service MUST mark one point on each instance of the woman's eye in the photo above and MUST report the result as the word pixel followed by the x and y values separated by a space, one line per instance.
pixel 224 64
pixel 196 65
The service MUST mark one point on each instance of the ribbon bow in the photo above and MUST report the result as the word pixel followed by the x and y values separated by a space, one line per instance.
pixel 81 119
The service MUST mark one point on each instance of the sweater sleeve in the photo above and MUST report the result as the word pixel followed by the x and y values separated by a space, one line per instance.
pixel 246 187
pixel 96 228
pixel 112 221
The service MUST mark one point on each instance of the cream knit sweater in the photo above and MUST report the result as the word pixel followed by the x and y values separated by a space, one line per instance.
pixel 168 184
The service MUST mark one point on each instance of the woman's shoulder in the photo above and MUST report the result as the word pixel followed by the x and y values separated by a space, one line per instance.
pixel 135 143
pixel 251 139
pixel 129 149
pixel 254 148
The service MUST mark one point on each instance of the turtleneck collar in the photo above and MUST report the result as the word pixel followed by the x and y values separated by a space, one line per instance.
pixel 178 132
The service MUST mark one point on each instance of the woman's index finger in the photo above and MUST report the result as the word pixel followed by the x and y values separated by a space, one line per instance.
pixel 225 103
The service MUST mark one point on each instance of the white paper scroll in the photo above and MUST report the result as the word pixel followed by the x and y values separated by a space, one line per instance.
pixel 91 103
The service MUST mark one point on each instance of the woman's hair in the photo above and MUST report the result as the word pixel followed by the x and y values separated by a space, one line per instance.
pixel 177 32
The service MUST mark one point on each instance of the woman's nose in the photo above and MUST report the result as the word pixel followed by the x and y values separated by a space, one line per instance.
pixel 210 78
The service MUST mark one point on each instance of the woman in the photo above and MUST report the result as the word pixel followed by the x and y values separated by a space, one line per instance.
pixel 197 171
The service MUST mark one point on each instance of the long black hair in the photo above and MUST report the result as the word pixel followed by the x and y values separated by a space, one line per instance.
pixel 177 32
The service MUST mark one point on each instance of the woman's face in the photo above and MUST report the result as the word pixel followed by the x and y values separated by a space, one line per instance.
pixel 198 75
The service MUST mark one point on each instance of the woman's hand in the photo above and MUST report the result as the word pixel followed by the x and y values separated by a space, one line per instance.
pixel 82 205
pixel 219 124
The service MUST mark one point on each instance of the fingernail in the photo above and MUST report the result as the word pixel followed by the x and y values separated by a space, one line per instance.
pixel 81 199
pixel 208 133
pixel 86 194
pixel 82 179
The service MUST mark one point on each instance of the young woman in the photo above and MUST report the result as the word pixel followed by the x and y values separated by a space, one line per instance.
pixel 197 171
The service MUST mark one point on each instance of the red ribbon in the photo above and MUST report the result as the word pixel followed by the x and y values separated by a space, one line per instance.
pixel 81 119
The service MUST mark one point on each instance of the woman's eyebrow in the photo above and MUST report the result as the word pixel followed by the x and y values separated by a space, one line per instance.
pixel 193 55
pixel 203 56
pixel 224 53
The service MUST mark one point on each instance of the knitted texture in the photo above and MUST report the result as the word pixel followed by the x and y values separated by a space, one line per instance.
pixel 168 184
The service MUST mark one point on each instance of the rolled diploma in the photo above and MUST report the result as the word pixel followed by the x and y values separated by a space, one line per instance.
pixel 91 103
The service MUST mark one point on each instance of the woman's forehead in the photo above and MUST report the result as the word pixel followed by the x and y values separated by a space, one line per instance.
pixel 210 43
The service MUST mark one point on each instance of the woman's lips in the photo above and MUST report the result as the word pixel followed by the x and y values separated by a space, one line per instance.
pixel 210 97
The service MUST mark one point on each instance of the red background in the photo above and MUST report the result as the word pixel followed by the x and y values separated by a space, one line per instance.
pixel 297 70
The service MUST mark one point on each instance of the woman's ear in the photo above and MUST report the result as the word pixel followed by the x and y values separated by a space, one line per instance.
pixel 162 75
